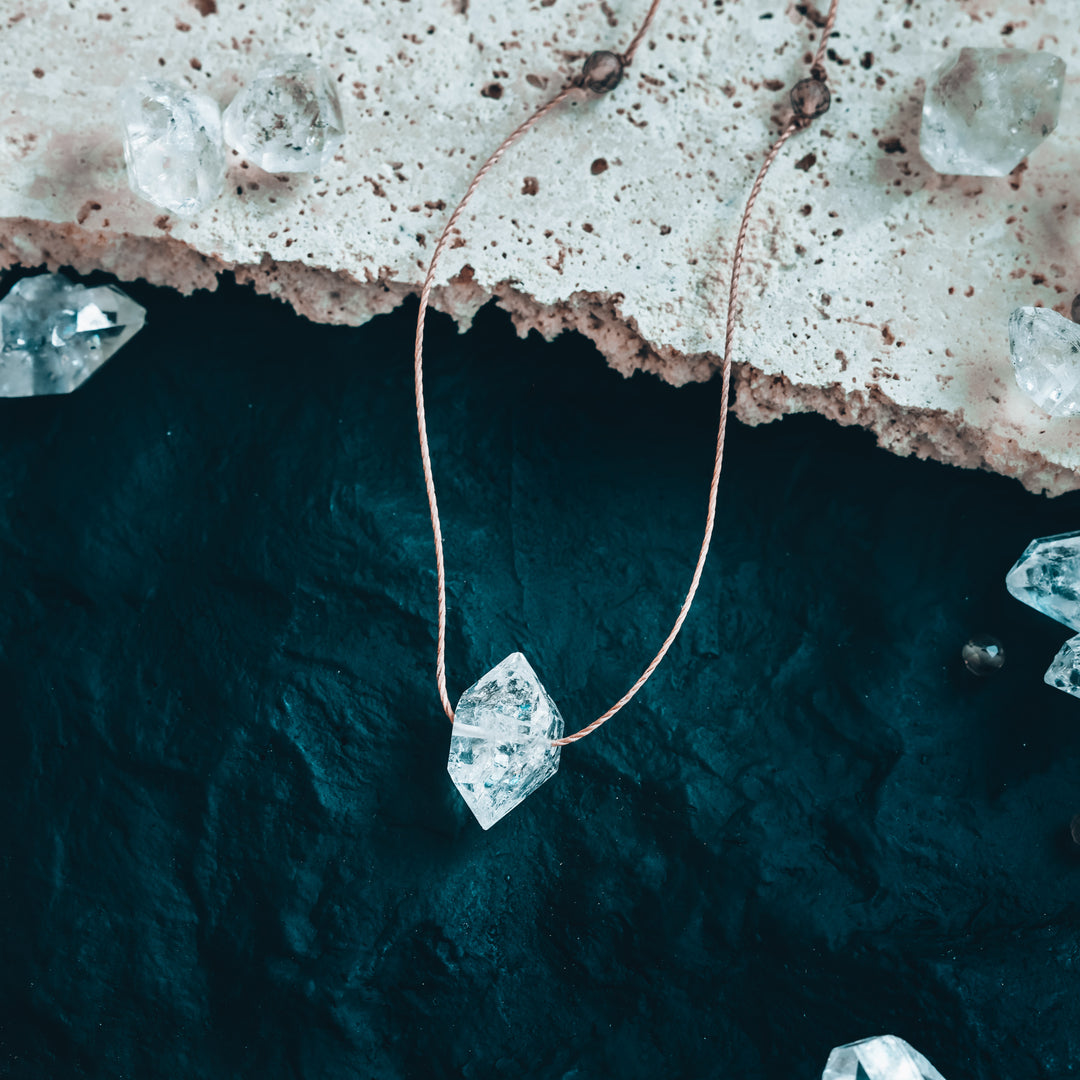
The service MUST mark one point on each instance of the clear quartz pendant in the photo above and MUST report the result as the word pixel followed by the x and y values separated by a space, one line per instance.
pixel 500 748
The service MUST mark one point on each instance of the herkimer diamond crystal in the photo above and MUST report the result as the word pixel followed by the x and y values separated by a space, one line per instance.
pixel 500 747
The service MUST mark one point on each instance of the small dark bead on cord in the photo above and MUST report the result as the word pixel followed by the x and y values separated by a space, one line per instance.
pixel 810 98
pixel 983 655
pixel 603 71
pixel 1076 309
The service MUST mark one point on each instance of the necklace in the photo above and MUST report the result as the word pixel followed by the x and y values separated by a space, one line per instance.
pixel 508 734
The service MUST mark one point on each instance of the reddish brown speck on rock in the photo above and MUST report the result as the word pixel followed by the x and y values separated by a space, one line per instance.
pixel 161 221
pixel 665 230
pixel 530 185
pixel 599 166
pixel 196 64
pixel 806 163
pixel 892 146
pixel 205 7
pixel 38 73
pixel 809 11
pixel 182 26
pixel 493 90
pixel 86 210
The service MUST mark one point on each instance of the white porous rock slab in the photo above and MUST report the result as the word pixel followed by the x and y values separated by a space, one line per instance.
pixel 878 292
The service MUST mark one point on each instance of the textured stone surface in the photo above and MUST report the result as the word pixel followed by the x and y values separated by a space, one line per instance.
pixel 878 292
pixel 287 118
pixel 172 145
pixel 55 334
pixel 1064 672
pixel 1047 577
pixel 987 109
pixel 883 1057
pixel 229 846
pixel 500 747
pixel 1045 351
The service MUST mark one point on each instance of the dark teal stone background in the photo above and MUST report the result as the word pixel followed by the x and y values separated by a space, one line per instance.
pixel 228 845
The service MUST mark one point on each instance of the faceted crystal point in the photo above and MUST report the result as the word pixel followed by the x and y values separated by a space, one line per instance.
pixel 985 110
pixel 500 748
pixel 55 334
pixel 1064 672
pixel 1047 577
pixel 172 145
pixel 1045 351
pixel 288 118
pixel 884 1057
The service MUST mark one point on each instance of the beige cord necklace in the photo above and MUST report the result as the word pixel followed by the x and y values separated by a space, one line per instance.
pixel 507 733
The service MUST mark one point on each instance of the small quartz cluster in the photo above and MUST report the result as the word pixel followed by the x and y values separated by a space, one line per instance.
pixel 286 120
pixel 500 747
pixel 1047 578
pixel 884 1057
pixel 54 334
pixel 985 110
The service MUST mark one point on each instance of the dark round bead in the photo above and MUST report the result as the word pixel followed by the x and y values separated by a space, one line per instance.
pixel 603 71
pixel 983 655
pixel 1074 829
pixel 810 98
pixel 1076 309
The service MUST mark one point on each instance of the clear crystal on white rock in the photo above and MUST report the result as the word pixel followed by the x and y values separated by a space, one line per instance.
pixel 172 145
pixel 1064 672
pixel 500 746
pixel 884 1057
pixel 1045 351
pixel 55 334
pixel 985 110
pixel 288 118
pixel 1047 577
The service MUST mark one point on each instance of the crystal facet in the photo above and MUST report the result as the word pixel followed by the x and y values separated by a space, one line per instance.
pixel 500 748
pixel 288 118
pixel 172 145
pixel 1047 577
pixel 885 1057
pixel 1045 351
pixel 985 110
pixel 1064 672
pixel 55 334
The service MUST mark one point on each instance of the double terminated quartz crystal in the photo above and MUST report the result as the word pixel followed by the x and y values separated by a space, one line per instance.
pixel 1047 578
pixel 55 334
pixel 885 1057
pixel 500 748
pixel 288 118
pixel 1045 351
pixel 985 110
pixel 172 145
